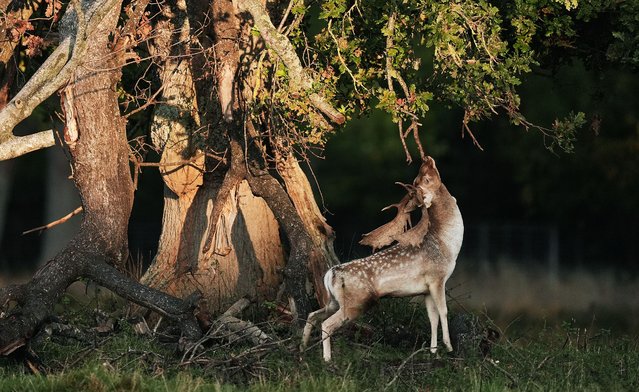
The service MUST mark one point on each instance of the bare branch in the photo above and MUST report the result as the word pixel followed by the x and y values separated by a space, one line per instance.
pixel 55 222
pixel 466 128
pixel 279 43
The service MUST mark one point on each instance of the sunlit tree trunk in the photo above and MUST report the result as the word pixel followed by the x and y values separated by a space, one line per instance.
pixel 218 235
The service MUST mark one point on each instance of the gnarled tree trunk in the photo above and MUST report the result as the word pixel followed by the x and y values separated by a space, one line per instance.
pixel 96 140
pixel 236 231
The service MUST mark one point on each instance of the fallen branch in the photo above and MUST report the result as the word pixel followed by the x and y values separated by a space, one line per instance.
pixel 237 329
pixel 401 367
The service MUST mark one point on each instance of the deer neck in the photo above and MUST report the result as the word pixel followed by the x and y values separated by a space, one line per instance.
pixel 446 222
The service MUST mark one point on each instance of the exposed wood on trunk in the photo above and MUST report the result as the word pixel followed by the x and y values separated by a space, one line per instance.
pixel 175 120
pixel 244 259
pixel 227 239
pixel 226 26
pixel 211 238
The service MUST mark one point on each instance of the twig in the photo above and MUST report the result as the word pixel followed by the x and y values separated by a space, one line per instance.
pixel 341 59
pixel 467 129
pixel 280 27
pixel 56 222
pixel 399 369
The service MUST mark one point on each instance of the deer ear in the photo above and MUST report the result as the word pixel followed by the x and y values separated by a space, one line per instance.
pixel 430 162
pixel 429 166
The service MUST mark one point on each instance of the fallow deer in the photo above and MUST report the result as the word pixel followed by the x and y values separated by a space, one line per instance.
pixel 401 270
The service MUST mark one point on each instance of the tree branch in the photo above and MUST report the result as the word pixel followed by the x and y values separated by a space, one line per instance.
pixel 54 73
pixel 16 146
pixel 55 222
pixel 279 43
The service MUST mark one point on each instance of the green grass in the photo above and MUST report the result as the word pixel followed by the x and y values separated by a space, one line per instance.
pixel 563 356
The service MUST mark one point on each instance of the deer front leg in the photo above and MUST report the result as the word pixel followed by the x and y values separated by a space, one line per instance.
pixel 438 292
pixel 433 317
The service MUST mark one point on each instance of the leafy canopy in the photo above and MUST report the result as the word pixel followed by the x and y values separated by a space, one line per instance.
pixel 399 55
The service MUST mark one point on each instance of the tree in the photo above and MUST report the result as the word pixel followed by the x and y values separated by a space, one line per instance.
pixel 233 95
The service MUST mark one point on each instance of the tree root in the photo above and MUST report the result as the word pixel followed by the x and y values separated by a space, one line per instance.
pixel 37 298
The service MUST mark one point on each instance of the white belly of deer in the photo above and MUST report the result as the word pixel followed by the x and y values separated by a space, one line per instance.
pixel 401 281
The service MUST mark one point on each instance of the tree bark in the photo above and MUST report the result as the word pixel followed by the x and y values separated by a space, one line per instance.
pixel 217 237
pixel 322 235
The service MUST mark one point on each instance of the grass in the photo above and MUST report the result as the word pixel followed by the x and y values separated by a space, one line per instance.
pixel 561 356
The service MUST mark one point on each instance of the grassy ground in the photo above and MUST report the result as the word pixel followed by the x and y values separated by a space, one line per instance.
pixel 560 356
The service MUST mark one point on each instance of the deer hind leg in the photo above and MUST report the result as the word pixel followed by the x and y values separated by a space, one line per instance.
pixel 433 317
pixel 332 324
pixel 314 319
pixel 438 292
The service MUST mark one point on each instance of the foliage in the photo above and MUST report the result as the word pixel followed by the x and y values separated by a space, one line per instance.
pixel 400 55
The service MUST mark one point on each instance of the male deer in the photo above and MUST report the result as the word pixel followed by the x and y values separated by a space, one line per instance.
pixel 401 270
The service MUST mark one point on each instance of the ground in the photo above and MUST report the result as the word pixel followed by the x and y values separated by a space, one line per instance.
pixel 382 353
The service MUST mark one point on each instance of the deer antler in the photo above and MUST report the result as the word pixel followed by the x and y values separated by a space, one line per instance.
pixel 397 229
pixel 415 236
pixel 385 234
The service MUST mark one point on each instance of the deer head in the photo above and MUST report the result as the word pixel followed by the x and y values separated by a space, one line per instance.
pixel 427 182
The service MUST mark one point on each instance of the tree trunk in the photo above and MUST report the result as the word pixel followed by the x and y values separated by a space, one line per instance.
pixel 245 254
pixel 216 236
pixel 95 136
pixel 219 237
pixel 299 190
